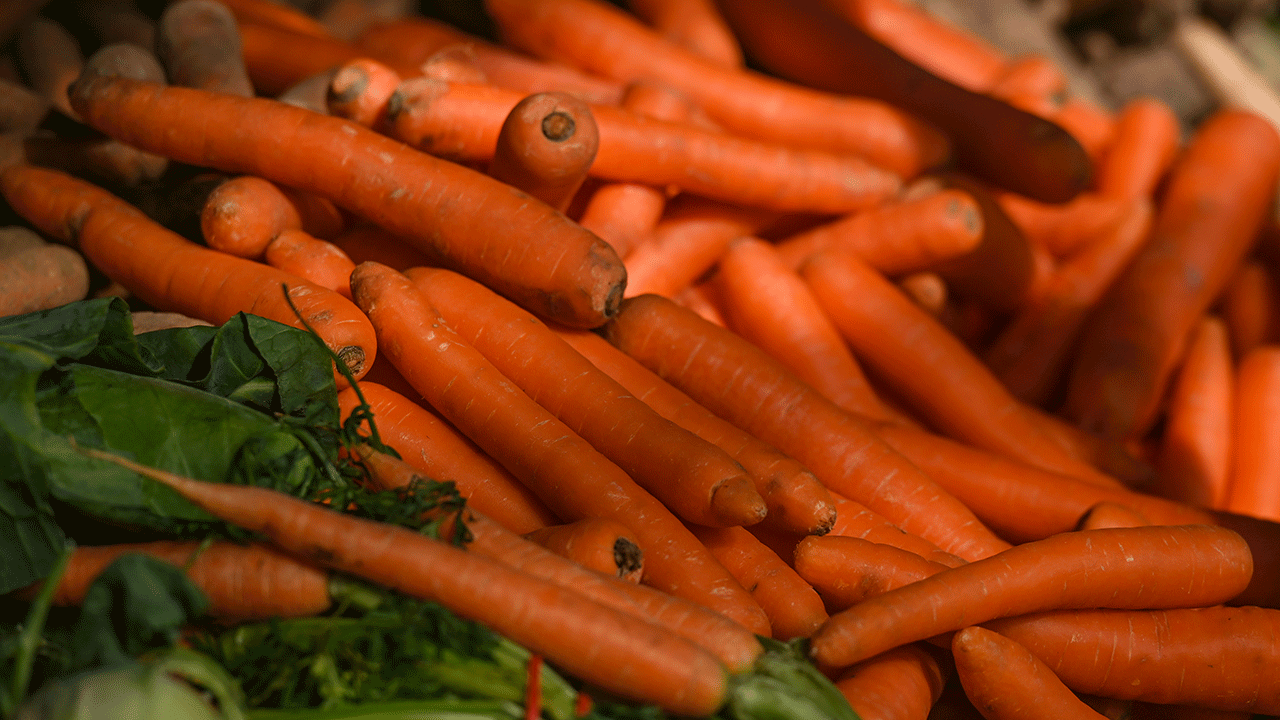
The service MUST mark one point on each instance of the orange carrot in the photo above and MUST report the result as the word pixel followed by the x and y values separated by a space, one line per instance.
pixel 277 59
pixel 770 305
pixel 696 480
pixel 359 91
pixel 1125 568
pixel 559 269
pixel 1092 126
pixel 545 147
pixel 276 15
pixel 901 684
pixel 1064 228
pixel 39 276
pixel 1147 138
pixel 1251 307
pixel 244 214
pixel 1196 443
pixel 926 289
pixel 693 24
pixel 1205 223
pixel 1033 82
pixel 199 43
pixel 311 258
pixel 797 502
pixel 927 366
pixel 1111 515
pixel 744 102
pixel 604 545
pixel 1214 657
pixel 856 520
pixel 169 272
pixel 1006 682
pixel 1254 485
pixel 369 242
pixel 742 384
pixel 793 606
pixel 455 63
pixel 638 660
pixel 847 570
pixel 437 450
pixel 570 476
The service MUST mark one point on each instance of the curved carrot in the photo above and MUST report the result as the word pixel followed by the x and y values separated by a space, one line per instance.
pixel 693 24
pixel 1251 306
pixel 171 273
pixel 1147 139
pixel 545 147
pixel 40 277
pixel 359 91
pixel 1253 488
pixel 555 267
pixel 742 384
pixel 1006 682
pixel 744 102
pixel 698 481
pixel 199 43
pixel 847 570
pixel 1065 228
pixel 797 502
pixel 638 660
pixel 1208 216
pixel 312 259
pixel 1125 568
pixel 604 545
pixel 570 476
pixel 901 684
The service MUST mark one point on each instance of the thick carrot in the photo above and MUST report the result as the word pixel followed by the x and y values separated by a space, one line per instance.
pixel 1251 306
pixel 40 277
pixel 693 24
pixel 570 476
pixel 1214 657
pixel 1006 682
pixel 901 684
pixel 742 384
pixel 461 122
pixel 928 367
pixel 199 43
pixel 244 214
pixel 696 480
pixel 545 147
pixel 359 91
pixel 242 582
pixel 312 259
pixel 744 102
pixel 169 272
pixel 1209 214
pixel 437 450
pixel 1125 568
pixel 793 606
pixel 796 501
pixel 638 660
pixel 767 303
pixel 1147 139
pixel 603 545
pixel 847 570
pixel 1196 443
pixel 1254 485
pixel 554 267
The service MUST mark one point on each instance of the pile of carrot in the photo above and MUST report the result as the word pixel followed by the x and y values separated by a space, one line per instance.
pixel 718 353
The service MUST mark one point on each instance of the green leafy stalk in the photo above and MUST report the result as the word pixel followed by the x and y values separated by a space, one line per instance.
pixel 32 630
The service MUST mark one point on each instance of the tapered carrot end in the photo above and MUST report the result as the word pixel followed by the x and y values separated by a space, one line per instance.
pixel 736 502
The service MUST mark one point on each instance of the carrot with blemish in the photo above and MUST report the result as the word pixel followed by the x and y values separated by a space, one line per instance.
pixel 359 91
pixel 604 545
pixel 847 570
pixel 546 146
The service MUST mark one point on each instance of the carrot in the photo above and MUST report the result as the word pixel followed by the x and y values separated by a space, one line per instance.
pixel 767 303
pixel 359 91
pixel 312 259
pixel 570 476
pixel 199 43
pixel 1033 351
pixel 696 25
pixel 244 214
pixel 1254 485
pixel 276 15
pixel 50 59
pixel 899 236
pixel 1032 82
pixel 369 242
pixel 742 384
pixel 436 449
pixel 545 147
pixel 1006 682
pixel 1111 515
pixel 310 93
pixel 277 59
pixel 926 289
pixel 454 63
pixel 461 122
pixel 743 102
pixel 604 545
pixel 1251 307
pixel 698 481
pixel 40 275
pixel 901 684
pixel 1196 444
pixel 847 570
pixel 1092 126
pixel 1207 219
pixel 169 272
pixel 637 660
pixel 796 501
pixel 242 582
pixel 793 606
pixel 928 367
pixel 1125 568
pixel 559 270
pixel 1147 139
pixel 1214 657
pixel 856 520
pixel 1064 228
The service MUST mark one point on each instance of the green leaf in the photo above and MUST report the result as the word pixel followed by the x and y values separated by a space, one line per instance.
pixel 95 332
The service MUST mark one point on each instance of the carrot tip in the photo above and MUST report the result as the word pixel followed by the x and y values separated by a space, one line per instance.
pixel 736 502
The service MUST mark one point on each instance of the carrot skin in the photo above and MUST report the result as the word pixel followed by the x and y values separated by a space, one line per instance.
pixel 1254 485
pixel 900 684
pixel 1006 682
pixel 546 146
pixel 847 570
pixel 603 545
pixel 311 258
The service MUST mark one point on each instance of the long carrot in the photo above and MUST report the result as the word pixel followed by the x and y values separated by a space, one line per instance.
pixel 695 25
pixel 1254 485
pixel 1205 222
pixel 1006 682
pixel 743 102
pixel 570 476
pixel 603 545
pixel 554 266
pixel 901 684
pixel 171 273
pixel 638 660
pixel 1147 139
pixel 277 59
pixel 742 384
pixel 1125 568
pixel 546 146
pixel 698 481
pixel 312 259
pixel 847 570
pixel 797 502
